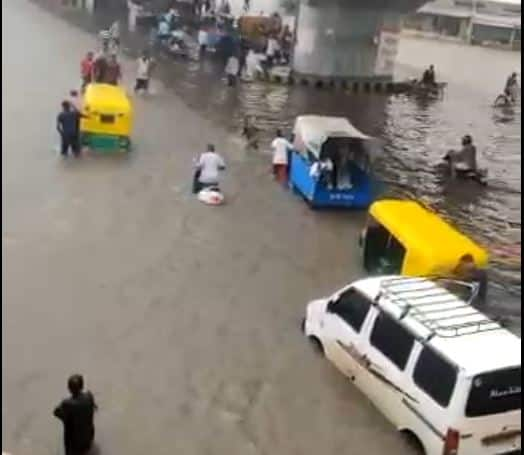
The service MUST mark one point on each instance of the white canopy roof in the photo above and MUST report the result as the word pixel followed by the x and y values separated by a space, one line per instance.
pixel 314 130
pixel 492 20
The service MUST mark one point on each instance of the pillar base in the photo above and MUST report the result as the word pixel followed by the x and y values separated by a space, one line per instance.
pixel 349 41
pixel 376 84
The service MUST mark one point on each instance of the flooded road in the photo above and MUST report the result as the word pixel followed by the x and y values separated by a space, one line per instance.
pixel 416 133
pixel 185 319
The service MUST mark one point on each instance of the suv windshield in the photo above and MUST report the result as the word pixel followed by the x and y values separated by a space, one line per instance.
pixel 495 393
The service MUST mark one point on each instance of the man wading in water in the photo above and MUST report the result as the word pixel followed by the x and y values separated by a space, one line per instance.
pixel 77 414
pixel 68 126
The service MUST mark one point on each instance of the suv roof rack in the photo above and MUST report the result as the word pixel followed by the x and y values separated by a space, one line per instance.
pixel 435 307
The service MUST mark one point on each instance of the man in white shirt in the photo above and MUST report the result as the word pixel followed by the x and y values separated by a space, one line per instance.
pixel 114 31
pixel 203 39
pixel 232 70
pixel 280 147
pixel 253 65
pixel 145 64
pixel 322 171
pixel 74 100
pixel 208 168
pixel 272 50
pixel 164 30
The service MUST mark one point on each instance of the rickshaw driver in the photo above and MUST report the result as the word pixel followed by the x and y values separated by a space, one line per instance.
pixel 467 270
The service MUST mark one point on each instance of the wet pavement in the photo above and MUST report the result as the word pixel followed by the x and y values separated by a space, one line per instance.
pixel 183 318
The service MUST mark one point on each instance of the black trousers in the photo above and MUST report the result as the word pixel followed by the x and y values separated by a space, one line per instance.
pixel 142 84
pixel 73 450
pixel 70 142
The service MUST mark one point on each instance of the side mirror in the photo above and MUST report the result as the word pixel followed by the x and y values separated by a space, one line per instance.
pixel 331 306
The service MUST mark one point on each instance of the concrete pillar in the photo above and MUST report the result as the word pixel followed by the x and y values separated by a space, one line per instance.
pixel 470 31
pixel 337 40
pixel 132 17
pixel 90 6
pixel 513 38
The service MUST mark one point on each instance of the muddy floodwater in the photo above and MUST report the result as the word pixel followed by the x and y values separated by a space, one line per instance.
pixel 183 318
pixel 416 132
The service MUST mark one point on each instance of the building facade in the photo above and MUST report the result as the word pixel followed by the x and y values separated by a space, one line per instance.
pixel 473 21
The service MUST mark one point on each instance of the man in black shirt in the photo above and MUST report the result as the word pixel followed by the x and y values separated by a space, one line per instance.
pixel 77 413
pixel 428 78
pixel 68 126
pixel 468 271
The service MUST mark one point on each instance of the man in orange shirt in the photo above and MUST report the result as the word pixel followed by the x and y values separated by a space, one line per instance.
pixel 86 69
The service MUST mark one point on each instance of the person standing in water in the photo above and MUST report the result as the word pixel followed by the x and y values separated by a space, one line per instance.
pixel 68 126
pixel 429 78
pixel 145 66
pixel 113 73
pixel 75 101
pixel 465 160
pixel 77 415
pixel 468 271
pixel 250 132
pixel 114 33
pixel 86 69
pixel 232 70
pixel 511 86
pixel 280 147
pixel 99 68
pixel 208 169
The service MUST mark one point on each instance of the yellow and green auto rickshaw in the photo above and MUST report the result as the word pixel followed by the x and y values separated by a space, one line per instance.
pixel 405 237
pixel 108 118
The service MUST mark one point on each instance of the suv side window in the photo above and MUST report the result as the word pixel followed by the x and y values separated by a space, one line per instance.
pixel 352 307
pixel 392 340
pixel 435 376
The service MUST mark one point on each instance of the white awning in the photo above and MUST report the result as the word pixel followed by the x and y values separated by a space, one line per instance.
pixel 435 9
pixel 492 20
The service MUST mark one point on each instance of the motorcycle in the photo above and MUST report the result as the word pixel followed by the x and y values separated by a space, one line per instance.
pixel 479 176
pixel 504 100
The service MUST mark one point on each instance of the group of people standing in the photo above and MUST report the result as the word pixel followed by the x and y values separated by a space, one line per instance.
pixel 245 61
pixel 209 166
pixel 100 68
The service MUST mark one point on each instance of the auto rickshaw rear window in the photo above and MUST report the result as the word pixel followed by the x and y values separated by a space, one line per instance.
pixel 382 251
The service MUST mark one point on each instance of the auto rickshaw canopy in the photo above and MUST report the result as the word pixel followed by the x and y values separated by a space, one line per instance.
pixel 106 98
pixel 312 131
pixel 433 246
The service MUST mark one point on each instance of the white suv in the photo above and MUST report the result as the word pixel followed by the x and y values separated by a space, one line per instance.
pixel 443 373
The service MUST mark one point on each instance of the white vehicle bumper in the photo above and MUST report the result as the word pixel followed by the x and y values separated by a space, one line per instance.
pixel 315 311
